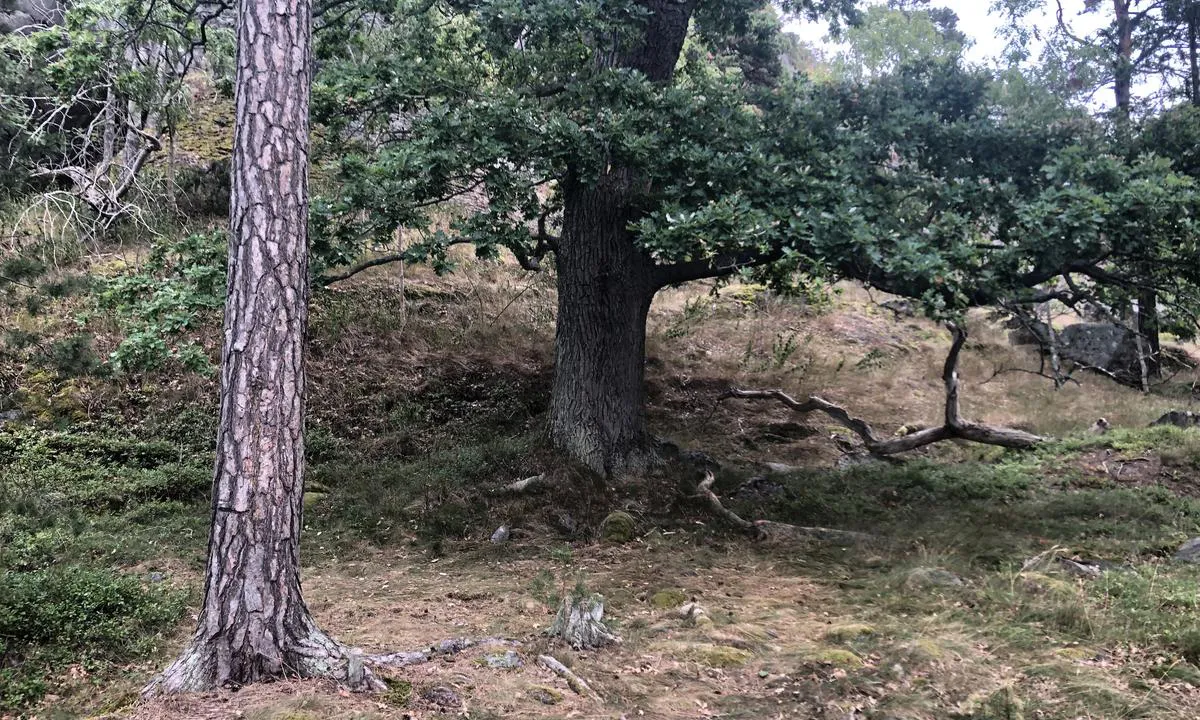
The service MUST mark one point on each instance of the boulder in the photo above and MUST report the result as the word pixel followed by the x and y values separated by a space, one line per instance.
pixel 1178 418
pixel 23 16
pixel 1110 348
pixel 1189 552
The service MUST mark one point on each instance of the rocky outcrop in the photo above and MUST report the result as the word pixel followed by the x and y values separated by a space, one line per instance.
pixel 24 16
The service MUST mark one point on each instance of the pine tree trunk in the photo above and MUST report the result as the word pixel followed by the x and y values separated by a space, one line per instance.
pixel 1193 15
pixel 1123 62
pixel 597 413
pixel 253 624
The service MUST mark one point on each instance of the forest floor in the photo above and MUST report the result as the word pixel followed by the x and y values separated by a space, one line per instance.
pixel 995 585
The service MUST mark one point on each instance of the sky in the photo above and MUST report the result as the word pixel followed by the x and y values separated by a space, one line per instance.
pixel 976 22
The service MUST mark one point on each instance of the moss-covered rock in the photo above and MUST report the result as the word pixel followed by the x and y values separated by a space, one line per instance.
pixel 668 599
pixel 618 527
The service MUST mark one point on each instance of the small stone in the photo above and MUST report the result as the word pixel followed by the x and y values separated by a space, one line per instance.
pixel 157 577
pixel 694 615
pixel 927 577
pixel 510 660
pixel 545 695
pixel 1189 552
pixel 441 696
pixel 502 533
pixel 618 527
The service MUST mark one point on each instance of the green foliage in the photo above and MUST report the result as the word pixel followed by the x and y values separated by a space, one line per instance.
pixel 164 303
pixel 95 471
pixel 74 507
pixel 887 39
pixel 78 615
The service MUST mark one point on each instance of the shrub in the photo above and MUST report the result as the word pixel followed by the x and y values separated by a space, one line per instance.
pixel 74 614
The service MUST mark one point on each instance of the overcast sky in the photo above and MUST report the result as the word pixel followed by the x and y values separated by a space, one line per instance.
pixel 974 20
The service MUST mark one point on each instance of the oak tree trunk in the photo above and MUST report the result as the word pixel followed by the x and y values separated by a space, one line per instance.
pixel 597 411
pixel 253 624
pixel 606 283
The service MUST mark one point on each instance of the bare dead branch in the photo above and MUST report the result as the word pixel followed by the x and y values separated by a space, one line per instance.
pixel 953 426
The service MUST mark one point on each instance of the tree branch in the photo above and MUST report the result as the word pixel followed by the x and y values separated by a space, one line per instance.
pixel 716 266
pixel 953 426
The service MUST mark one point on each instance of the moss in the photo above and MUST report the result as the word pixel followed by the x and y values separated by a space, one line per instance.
pixel 716 656
pixel 851 631
pixel 838 657
pixel 399 692
pixel 667 599
pixel 618 527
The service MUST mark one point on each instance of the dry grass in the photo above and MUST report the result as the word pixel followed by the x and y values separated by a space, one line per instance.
pixel 786 642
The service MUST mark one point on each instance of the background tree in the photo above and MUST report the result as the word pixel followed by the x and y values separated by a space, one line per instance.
pixel 598 100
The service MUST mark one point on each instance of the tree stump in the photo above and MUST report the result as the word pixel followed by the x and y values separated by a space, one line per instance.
pixel 580 622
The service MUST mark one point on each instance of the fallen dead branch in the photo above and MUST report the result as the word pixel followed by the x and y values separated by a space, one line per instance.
pixel 768 530
pixel 574 682
pixel 953 427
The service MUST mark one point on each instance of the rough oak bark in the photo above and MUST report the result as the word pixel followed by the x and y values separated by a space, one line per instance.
pixel 606 283
pixel 254 624
pixel 604 292
pixel 952 427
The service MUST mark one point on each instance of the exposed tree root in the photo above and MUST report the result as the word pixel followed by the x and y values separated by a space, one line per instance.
pixel 954 427
pixel 444 648
pixel 574 682
pixel 529 484
pixel 768 530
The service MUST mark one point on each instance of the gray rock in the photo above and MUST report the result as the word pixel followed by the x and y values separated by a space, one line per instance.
pixel 928 577
pixel 157 577
pixel 502 534
pixel 1027 332
pixel 566 523
pixel 23 16
pixel 900 308
pixel 1178 418
pixel 1110 348
pixel 510 660
pixel 1080 568
pixel 1189 552
pixel 10 416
